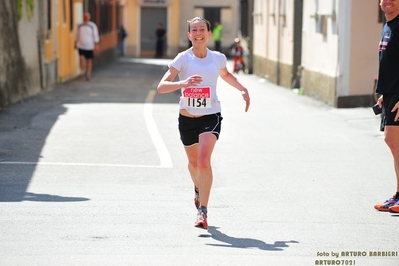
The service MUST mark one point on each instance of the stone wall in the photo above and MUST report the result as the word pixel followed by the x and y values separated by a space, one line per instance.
pixel 268 69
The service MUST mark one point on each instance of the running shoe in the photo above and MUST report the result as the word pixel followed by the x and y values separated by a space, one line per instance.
pixel 395 208
pixel 201 220
pixel 384 207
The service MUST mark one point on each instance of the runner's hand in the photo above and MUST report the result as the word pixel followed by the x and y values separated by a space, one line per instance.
pixel 245 96
pixel 395 109
pixel 380 100
pixel 194 80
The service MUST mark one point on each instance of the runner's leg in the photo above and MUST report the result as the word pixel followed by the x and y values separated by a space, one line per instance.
pixel 207 143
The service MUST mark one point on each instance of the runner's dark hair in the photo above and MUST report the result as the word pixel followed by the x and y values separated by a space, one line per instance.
pixel 208 24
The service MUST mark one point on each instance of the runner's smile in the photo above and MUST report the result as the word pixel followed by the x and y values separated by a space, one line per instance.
pixel 389 6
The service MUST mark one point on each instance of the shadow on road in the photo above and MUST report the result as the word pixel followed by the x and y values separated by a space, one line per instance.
pixel 244 243
pixel 25 126
pixel 51 198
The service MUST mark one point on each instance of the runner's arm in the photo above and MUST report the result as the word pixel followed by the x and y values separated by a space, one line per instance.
pixel 168 85
pixel 233 81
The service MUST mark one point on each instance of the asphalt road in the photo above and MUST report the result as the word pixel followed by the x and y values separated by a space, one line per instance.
pixel 93 173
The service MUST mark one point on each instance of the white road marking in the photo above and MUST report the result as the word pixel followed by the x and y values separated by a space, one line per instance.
pixel 164 156
pixel 85 164
pixel 156 137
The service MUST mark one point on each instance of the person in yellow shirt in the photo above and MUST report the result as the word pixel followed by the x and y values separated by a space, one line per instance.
pixel 217 36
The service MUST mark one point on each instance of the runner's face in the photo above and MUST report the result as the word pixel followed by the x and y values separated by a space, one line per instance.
pixel 199 33
pixel 390 7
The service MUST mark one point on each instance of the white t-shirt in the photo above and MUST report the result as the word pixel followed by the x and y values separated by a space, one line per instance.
pixel 87 36
pixel 202 99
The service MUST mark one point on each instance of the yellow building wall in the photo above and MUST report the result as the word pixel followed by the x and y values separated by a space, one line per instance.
pixel 66 52
pixel 174 26
pixel 131 22
pixel 48 50
pixel 48 36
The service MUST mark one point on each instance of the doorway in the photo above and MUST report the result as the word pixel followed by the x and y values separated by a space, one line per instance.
pixel 212 14
pixel 150 17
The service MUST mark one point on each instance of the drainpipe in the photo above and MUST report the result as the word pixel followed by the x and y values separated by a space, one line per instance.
pixel 278 42
pixel 297 47
pixel 40 45
pixel 338 67
pixel 250 34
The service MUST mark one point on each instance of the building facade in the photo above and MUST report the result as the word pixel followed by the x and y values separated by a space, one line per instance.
pixel 142 16
pixel 47 38
pixel 328 48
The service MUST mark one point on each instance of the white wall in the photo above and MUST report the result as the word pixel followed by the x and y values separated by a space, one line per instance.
pixel 287 31
pixel 319 51
pixel 268 36
pixel 262 18
pixel 28 31
pixel 349 50
pixel 272 40
pixel 77 19
pixel 365 35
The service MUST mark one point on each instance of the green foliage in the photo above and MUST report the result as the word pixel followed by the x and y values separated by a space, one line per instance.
pixel 29 6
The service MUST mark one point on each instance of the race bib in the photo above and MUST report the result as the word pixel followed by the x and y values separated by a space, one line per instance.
pixel 198 97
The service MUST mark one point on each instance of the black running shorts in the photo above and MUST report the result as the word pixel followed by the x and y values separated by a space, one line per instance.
pixel 191 128
pixel 387 117
pixel 88 54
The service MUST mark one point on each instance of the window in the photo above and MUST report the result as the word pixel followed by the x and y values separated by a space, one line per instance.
pixel 258 9
pixel 92 9
pixel 106 17
pixel 102 14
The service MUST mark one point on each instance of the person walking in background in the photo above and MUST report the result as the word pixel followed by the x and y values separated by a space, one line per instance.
pixel 388 88
pixel 122 34
pixel 87 39
pixel 237 51
pixel 160 34
pixel 200 116
pixel 217 36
